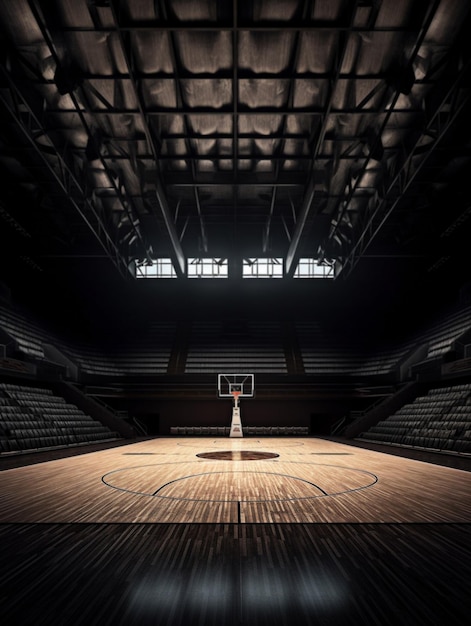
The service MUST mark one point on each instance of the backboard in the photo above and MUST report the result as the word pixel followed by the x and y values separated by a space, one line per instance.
pixel 228 383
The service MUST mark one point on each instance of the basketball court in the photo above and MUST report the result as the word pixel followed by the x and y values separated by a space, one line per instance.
pixel 235 480
pixel 235 529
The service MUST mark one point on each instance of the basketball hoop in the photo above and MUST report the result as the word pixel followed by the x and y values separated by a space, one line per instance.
pixel 236 395
pixel 235 386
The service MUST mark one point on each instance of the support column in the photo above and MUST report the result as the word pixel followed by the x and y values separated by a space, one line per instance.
pixel 236 425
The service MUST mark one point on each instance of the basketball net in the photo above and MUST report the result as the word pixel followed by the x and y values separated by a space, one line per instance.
pixel 236 395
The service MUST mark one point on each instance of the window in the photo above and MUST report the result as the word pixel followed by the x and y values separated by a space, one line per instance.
pixel 207 268
pixel 262 268
pixel 313 268
pixel 159 268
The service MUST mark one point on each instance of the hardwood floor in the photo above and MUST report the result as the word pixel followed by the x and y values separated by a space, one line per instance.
pixel 165 481
pixel 229 574
pixel 150 533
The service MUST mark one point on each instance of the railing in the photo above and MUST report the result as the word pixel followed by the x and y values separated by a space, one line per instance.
pixel 337 427
pixel 139 426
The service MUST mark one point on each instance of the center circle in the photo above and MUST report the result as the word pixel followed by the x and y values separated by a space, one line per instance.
pixel 238 455
pixel 310 480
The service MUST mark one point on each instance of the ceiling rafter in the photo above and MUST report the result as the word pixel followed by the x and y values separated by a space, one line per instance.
pixel 162 202
pixel 113 178
pixel 278 156
pixel 63 171
pixel 305 211
pixel 269 26
pixel 404 171
pixel 243 74
pixel 180 100
pixel 351 189
pixel 314 111
pixel 241 129
pixel 234 265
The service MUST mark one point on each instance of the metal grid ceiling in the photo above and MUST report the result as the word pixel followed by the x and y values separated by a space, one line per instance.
pixel 281 128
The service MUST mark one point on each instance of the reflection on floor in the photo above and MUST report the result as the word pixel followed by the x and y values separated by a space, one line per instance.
pixel 56 570
pixel 231 574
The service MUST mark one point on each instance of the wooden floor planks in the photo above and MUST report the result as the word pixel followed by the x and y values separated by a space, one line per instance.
pixel 227 575
pixel 325 533
pixel 163 481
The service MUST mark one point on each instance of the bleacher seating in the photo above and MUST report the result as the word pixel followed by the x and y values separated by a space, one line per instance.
pixel 382 362
pixel 250 347
pixel 146 352
pixel 33 418
pixel 223 431
pixel 92 360
pixel 440 337
pixel 27 337
pixel 239 345
pixel 445 331
pixel 324 352
pixel 439 421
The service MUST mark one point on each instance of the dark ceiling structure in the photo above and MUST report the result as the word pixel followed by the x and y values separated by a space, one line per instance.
pixel 329 129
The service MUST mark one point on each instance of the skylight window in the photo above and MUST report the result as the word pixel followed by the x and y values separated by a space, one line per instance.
pixel 159 268
pixel 262 268
pixel 207 268
pixel 313 268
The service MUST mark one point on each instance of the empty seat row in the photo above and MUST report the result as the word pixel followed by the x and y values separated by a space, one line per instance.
pixel 437 420
pixel 247 430
pixel 34 419
pixel 35 442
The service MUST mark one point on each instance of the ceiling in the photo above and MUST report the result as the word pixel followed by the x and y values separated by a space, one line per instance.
pixel 139 129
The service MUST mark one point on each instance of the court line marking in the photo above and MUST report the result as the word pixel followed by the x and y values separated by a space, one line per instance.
pixel 270 455
pixel 239 440
pixel 324 493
